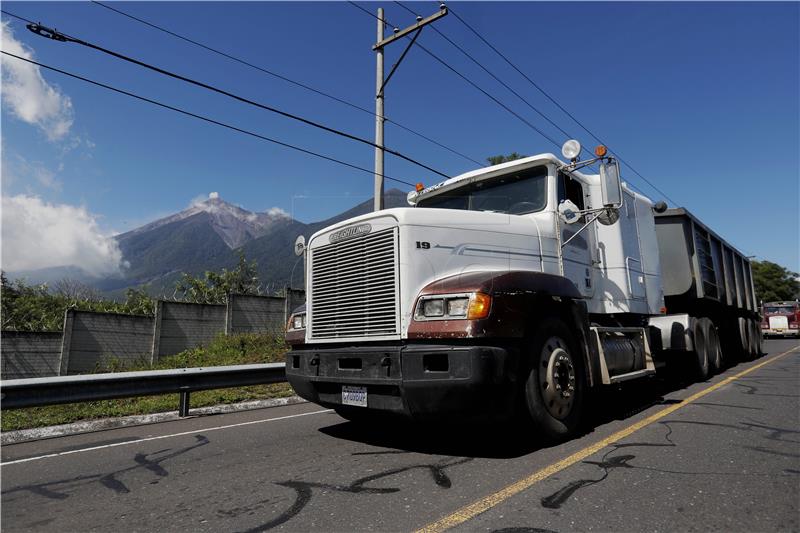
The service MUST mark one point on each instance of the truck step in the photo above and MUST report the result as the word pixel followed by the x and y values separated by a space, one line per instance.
pixel 632 375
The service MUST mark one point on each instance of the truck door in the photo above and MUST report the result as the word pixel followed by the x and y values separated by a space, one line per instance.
pixel 577 255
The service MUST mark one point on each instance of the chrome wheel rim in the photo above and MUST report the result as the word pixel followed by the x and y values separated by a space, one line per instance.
pixel 557 378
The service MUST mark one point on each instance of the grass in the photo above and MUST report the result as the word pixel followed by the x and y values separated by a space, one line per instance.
pixel 224 350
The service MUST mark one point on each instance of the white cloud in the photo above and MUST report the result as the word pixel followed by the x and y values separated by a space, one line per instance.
pixel 277 212
pixel 17 169
pixel 27 95
pixel 198 200
pixel 38 234
pixel 213 196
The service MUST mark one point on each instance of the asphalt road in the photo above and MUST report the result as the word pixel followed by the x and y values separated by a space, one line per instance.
pixel 661 456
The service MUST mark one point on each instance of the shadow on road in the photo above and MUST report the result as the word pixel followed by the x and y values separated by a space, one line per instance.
pixel 510 439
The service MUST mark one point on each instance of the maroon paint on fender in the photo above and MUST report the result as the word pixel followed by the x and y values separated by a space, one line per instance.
pixel 296 336
pixel 510 292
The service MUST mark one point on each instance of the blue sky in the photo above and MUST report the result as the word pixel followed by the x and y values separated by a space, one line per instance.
pixel 701 98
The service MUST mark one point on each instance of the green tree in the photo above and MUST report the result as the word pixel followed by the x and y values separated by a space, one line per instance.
pixel 773 282
pixel 497 159
pixel 138 302
pixel 214 287
pixel 39 308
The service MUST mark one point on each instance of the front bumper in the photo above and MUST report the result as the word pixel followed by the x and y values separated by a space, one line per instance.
pixel 414 380
pixel 788 332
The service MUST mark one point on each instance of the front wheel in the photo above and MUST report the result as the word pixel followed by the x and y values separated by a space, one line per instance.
pixel 555 385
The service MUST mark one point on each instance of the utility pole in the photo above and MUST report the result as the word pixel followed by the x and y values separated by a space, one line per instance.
pixel 379 120
pixel 380 85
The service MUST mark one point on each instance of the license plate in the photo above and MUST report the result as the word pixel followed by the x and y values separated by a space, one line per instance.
pixel 354 396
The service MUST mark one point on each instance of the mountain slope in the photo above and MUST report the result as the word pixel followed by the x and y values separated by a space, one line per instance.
pixel 233 224
pixel 209 235
pixel 274 251
pixel 182 245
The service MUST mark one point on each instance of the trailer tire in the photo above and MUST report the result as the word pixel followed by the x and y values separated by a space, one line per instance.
pixel 744 338
pixel 555 386
pixel 701 359
pixel 755 339
pixel 714 350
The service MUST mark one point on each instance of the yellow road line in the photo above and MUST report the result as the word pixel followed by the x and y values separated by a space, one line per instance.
pixel 484 504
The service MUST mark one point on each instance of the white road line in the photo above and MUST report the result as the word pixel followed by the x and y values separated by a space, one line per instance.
pixel 137 441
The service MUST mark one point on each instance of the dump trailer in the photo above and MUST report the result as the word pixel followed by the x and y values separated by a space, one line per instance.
pixel 711 284
pixel 513 291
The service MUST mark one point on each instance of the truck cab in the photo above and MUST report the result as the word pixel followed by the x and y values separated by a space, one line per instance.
pixel 507 291
pixel 781 319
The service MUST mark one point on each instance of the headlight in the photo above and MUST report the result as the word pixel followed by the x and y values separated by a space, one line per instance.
pixel 297 321
pixel 453 306
pixel 432 308
pixel 457 306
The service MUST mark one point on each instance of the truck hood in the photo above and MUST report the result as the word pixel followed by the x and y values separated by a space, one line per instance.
pixel 433 244
pixel 533 225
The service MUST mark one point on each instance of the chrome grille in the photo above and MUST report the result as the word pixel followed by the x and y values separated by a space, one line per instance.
pixel 354 287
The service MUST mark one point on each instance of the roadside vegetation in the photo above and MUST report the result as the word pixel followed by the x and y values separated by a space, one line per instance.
pixel 231 350
pixel 41 307
pixel 774 282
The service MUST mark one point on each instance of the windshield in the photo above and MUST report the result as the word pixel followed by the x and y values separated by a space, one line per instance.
pixel 516 194
pixel 783 309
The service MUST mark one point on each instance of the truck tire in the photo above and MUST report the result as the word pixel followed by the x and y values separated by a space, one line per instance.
pixel 714 350
pixel 700 360
pixel 755 339
pixel 744 338
pixel 555 386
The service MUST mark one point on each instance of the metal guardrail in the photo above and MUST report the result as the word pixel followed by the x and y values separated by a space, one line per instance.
pixel 16 393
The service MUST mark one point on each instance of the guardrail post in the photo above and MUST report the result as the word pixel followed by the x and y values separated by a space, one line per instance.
pixel 183 408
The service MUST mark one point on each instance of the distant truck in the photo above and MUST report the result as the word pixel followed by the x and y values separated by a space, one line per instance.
pixel 781 319
pixel 513 291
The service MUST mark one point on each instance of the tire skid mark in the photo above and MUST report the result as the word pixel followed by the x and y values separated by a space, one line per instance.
pixel 304 489
pixel 754 391
pixel 728 405
pixel 558 498
pixel 61 489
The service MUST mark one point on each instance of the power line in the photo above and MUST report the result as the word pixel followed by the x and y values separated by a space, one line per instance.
pixel 62 37
pixel 466 79
pixel 553 100
pixel 284 78
pixel 490 73
pixel 631 185
pixel 201 117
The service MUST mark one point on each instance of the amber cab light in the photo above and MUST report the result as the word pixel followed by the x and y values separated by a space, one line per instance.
pixel 600 151
pixel 420 186
pixel 479 305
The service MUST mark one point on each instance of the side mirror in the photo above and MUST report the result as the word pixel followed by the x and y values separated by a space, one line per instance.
pixel 568 212
pixel 610 184
pixel 299 245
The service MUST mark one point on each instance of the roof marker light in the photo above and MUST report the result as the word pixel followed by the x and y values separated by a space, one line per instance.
pixel 571 149
pixel 420 186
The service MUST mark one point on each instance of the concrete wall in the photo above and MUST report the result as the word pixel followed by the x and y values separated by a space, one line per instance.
pixel 180 326
pixel 94 340
pixel 256 314
pixel 30 354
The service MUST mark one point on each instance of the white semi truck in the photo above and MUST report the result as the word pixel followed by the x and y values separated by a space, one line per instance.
pixel 514 290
